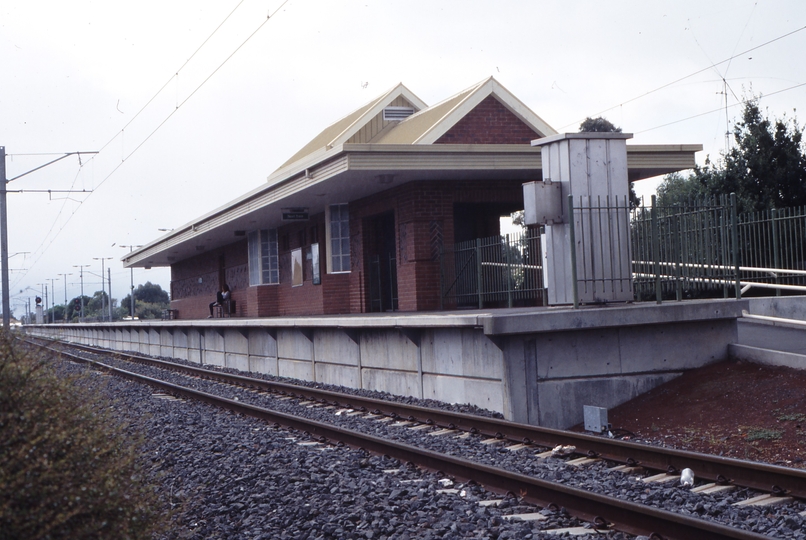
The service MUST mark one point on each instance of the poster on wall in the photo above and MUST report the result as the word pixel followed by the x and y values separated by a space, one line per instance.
pixel 315 277
pixel 296 267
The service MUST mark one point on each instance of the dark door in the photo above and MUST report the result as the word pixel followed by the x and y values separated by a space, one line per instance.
pixel 381 257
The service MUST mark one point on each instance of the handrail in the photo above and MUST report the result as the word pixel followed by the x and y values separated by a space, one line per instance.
pixel 770 318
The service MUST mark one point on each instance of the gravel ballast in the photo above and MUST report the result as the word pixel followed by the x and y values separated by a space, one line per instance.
pixel 234 477
pixel 229 476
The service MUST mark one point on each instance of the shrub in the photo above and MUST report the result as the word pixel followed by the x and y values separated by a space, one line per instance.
pixel 67 468
pixel 764 434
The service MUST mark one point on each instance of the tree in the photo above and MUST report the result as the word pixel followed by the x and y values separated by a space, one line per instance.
pixel 74 307
pixel 97 304
pixel 149 301
pixel 766 168
pixel 598 125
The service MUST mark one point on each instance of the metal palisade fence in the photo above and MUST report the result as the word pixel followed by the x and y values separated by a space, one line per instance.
pixel 498 271
pixel 698 250
pixel 684 250
pixel 705 249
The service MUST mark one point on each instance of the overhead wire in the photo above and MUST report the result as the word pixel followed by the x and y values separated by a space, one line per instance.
pixel 719 109
pixel 688 76
pixel 162 123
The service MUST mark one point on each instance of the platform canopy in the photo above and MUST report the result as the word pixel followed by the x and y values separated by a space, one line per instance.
pixel 394 139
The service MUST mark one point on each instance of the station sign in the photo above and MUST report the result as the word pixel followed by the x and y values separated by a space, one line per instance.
pixel 295 214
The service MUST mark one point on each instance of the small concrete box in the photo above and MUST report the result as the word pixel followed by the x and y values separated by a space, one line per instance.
pixel 595 418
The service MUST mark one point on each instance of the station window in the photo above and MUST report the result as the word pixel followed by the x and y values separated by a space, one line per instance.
pixel 264 263
pixel 338 238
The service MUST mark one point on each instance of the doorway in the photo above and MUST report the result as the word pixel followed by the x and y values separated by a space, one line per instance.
pixel 381 249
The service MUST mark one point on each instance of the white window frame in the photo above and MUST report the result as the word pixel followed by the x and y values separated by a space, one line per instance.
pixel 329 238
pixel 264 260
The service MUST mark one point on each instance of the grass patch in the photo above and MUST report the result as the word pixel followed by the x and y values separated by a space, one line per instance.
pixel 793 417
pixel 67 468
pixel 764 434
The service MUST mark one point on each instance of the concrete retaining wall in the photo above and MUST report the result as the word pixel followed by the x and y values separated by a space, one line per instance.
pixel 537 366
pixel 787 307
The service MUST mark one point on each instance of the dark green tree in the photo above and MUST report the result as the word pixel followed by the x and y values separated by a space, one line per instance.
pixel 766 168
pixel 598 125
pixel 98 302
pixel 74 307
pixel 149 301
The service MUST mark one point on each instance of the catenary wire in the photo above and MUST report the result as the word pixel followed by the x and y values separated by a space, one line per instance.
pixel 689 76
pixel 720 109
pixel 80 203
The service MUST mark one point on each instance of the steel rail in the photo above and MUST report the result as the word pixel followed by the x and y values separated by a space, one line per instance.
pixel 722 470
pixel 603 511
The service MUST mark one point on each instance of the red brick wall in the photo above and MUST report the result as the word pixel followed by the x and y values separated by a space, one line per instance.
pixel 195 281
pixel 489 123
pixel 423 214
pixel 424 221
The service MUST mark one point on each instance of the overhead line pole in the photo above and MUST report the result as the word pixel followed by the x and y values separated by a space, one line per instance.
pixel 131 295
pixel 4 239
pixel 4 226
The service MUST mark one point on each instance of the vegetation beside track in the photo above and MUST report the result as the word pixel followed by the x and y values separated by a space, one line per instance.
pixel 68 468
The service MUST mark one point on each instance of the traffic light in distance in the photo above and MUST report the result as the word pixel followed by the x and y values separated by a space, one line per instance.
pixel 78 304
pixel 38 300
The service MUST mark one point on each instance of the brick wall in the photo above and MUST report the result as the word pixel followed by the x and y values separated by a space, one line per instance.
pixel 423 223
pixel 195 281
pixel 489 123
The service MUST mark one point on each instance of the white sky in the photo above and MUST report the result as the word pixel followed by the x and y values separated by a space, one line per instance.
pixel 75 74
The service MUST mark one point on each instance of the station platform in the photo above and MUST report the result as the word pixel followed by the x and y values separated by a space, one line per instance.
pixel 533 365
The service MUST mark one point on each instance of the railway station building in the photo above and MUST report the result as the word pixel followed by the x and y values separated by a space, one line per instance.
pixel 358 220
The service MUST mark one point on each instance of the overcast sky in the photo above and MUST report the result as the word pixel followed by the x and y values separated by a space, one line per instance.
pixel 184 128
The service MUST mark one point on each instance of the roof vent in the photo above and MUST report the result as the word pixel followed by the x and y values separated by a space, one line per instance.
pixel 397 113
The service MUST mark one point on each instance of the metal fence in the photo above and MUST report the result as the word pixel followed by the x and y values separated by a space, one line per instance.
pixel 499 271
pixel 705 249
pixel 698 250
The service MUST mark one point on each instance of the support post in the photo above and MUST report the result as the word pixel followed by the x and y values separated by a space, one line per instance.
pixel 4 239
pixel 776 263
pixel 573 250
pixel 656 249
pixel 479 281
pixel 734 226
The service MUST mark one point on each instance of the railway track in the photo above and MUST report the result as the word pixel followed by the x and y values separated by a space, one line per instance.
pixel 601 510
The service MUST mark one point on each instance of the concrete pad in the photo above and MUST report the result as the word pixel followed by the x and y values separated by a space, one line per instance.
pixel 389 349
pixel 764 500
pixel 401 383
pixel 180 339
pixel 237 361
pixel 560 403
pixel 338 374
pixel 461 351
pixel 154 341
pixel 336 346
pixel 296 369
pixel 575 531
pixel 294 344
pixel 566 318
pixel 533 516
pixel 712 488
pixel 766 356
pixel 661 478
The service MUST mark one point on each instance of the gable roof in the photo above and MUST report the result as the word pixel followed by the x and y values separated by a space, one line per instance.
pixel 428 125
pixel 344 129
pixel 425 126
pixel 343 163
